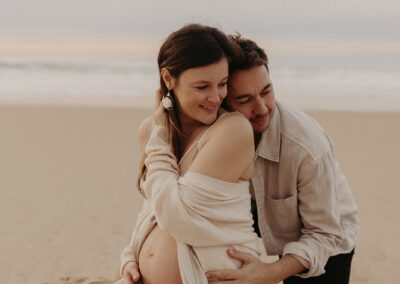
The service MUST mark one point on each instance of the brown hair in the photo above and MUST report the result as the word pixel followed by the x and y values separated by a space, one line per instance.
pixel 249 54
pixel 193 45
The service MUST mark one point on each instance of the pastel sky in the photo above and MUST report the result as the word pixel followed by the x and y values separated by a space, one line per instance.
pixel 130 19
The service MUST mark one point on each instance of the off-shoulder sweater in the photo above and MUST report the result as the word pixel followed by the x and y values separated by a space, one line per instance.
pixel 205 215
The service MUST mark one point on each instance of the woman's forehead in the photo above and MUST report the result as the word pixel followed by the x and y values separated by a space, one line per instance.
pixel 212 72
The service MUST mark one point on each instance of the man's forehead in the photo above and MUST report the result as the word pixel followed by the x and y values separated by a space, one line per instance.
pixel 249 80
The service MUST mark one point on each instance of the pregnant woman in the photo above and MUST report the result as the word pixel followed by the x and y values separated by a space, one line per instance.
pixel 197 162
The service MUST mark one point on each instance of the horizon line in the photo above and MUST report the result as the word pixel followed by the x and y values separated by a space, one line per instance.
pixel 150 46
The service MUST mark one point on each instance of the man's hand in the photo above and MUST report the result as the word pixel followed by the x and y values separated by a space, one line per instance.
pixel 131 273
pixel 252 271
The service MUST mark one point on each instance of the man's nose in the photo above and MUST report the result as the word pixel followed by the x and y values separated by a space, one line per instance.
pixel 260 107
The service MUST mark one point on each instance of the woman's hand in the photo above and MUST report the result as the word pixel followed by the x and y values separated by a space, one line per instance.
pixel 131 273
pixel 157 99
pixel 160 117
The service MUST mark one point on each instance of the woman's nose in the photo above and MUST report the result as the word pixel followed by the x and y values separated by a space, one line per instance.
pixel 216 96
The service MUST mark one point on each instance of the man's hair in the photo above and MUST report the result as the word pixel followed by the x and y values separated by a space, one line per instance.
pixel 249 54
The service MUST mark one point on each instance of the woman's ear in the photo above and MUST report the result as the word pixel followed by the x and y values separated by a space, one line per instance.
pixel 169 80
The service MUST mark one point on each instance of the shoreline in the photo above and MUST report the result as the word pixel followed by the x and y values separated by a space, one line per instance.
pixel 146 102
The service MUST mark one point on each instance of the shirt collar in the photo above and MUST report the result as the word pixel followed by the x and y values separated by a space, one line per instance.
pixel 270 142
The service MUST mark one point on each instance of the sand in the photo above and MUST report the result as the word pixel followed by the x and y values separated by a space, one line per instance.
pixel 68 200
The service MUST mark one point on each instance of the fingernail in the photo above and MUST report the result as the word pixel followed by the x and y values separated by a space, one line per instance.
pixel 231 250
pixel 208 275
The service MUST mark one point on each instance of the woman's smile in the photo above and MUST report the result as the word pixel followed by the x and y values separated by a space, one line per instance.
pixel 210 109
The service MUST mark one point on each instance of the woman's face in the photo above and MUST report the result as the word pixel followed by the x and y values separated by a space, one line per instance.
pixel 199 92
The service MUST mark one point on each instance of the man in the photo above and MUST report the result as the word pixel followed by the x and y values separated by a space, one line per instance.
pixel 305 210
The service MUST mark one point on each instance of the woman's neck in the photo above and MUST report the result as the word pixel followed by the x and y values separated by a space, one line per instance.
pixel 188 125
pixel 188 128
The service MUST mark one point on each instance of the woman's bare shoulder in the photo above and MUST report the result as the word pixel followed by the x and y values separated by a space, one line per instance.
pixel 227 150
pixel 143 132
pixel 232 125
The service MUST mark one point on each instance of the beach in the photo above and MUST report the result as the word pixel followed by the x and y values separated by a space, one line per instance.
pixel 77 79
pixel 69 200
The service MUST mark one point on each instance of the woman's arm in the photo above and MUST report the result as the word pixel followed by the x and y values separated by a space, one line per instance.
pixel 143 134
pixel 129 257
pixel 227 151
pixel 129 266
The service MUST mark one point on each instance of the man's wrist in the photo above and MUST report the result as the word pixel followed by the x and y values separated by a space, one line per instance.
pixel 273 272
pixel 288 266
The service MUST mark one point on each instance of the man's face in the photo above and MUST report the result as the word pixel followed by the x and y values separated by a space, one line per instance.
pixel 250 92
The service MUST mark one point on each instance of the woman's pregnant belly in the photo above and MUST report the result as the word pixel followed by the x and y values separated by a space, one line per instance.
pixel 158 260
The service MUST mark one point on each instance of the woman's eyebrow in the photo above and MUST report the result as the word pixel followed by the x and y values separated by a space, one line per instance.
pixel 205 81
pixel 201 82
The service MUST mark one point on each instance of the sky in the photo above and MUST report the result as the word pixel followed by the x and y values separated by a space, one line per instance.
pixel 352 34
pixel 132 20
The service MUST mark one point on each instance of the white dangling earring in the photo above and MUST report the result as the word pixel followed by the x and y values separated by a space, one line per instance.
pixel 167 101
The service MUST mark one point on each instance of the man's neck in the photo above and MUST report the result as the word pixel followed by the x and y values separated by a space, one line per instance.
pixel 257 138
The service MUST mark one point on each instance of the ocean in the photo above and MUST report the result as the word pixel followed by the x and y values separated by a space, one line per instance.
pixel 364 82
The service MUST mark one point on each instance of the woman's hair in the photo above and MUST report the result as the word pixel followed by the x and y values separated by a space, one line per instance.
pixel 193 45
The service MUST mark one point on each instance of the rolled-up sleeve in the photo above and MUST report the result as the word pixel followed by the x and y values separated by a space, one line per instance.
pixel 317 205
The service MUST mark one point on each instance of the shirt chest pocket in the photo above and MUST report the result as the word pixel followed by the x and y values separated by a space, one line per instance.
pixel 283 216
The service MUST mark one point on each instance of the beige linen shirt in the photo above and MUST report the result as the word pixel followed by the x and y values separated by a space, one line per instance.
pixel 305 206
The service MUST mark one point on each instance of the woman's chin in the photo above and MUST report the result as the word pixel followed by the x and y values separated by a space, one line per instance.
pixel 210 119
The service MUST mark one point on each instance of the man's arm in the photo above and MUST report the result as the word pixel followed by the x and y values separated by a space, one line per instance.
pixel 318 184
pixel 255 271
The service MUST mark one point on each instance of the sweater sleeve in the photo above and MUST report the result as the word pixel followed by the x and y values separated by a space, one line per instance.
pixel 126 257
pixel 144 224
pixel 193 208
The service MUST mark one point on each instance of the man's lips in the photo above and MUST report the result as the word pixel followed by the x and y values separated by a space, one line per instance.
pixel 259 120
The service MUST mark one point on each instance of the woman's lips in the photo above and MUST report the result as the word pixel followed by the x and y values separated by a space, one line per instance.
pixel 209 108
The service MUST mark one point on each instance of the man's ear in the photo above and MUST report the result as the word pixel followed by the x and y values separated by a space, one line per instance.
pixel 168 79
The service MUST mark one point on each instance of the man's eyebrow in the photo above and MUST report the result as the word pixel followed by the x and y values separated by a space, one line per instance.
pixel 242 96
pixel 266 87
pixel 248 95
